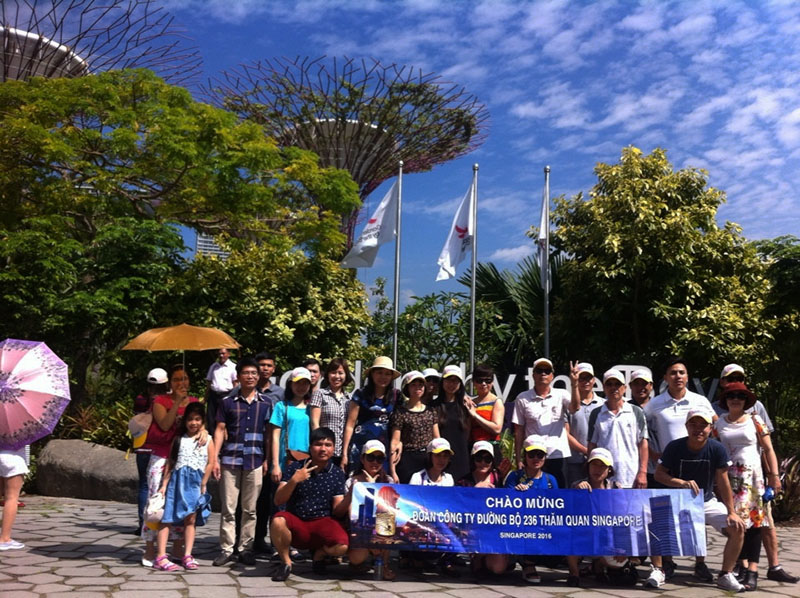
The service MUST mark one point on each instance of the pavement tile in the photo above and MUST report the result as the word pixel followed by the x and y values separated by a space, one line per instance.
pixel 269 591
pixel 375 594
pixel 93 571
pixel 40 578
pixel 328 595
pixel 22 570
pixel 154 593
pixel 16 585
pixel 425 594
pixel 71 594
pixel 474 593
pixel 50 588
pixel 403 587
pixel 214 592
pixel 209 579
pixel 147 585
pixel 314 587
pixel 354 586
pixel 94 581
pixel 19 594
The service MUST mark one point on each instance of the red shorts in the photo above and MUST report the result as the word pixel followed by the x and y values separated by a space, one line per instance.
pixel 315 533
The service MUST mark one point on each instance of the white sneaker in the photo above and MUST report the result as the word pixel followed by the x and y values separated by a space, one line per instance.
pixel 147 562
pixel 656 579
pixel 11 545
pixel 728 581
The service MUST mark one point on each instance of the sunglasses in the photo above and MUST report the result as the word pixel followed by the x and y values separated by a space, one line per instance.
pixel 585 377
pixel 372 458
pixel 535 454
pixel 738 396
pixel 483 381
pixel 735 378
pixel 543 371
pixel 483 458
pixel 613 383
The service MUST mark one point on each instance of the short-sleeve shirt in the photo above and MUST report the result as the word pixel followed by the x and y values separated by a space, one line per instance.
pixel 333 413
pixel 666 417
pixel 295 428
pixel 518 476
pixel 416 427
pixel 245 430
pixel 161 444
pixel 313 498
pixel 757 409
pixel 545 416
pixel 274 393
pixel 222 376
pixel 700 466
pixel 621 434
pixel 579 425
pixel 421 478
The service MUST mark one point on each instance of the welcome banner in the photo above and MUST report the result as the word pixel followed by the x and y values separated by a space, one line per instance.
pixel 506 521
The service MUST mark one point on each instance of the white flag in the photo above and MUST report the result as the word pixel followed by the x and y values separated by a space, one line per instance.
pixel 459 241
pixel 381 228
pixel 544 240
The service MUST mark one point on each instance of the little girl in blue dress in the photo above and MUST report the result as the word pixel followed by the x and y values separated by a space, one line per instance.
pixel 185 480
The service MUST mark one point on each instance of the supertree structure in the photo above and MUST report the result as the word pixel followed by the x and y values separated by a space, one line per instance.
pixel 71 38
pixel 358 115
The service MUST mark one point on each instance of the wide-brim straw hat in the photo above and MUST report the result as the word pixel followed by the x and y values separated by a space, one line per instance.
pixel 385 363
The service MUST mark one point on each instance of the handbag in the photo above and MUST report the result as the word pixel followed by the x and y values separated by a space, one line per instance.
pixel 154 510
pixel 139 426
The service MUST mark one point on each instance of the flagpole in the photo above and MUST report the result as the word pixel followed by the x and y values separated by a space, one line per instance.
pixel 397 264
pixel 474 267
pixel 546 263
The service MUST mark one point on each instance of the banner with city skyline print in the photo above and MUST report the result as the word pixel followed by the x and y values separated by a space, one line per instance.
pixel 506 521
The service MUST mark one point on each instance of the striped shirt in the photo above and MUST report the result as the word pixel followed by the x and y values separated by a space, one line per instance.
pixel 246 426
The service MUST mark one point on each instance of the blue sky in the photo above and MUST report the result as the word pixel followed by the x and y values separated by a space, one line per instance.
pixel 567 84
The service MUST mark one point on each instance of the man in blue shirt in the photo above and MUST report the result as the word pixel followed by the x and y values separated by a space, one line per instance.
pixel 242 446
pixel 310 489
pixel 697 463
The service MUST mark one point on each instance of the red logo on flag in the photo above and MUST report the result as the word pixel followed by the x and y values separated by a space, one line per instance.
pixel 372 221
pixel 461 232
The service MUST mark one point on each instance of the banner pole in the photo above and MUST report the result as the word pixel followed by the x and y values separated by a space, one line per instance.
pixel 546 263
pixel 397 264
pixel 474 216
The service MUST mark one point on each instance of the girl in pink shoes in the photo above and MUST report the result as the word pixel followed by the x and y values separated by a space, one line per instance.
pixel 185 480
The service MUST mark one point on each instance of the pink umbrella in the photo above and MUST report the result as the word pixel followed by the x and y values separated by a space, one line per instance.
pixel 34 391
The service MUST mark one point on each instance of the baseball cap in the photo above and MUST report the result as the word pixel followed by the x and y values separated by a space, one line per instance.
pixel 543 361
pixel 603 455
pixel 585 367
pixel 300 373
pixel 534 442
pixel 438 445
pixel 373 446
pixel 410 376
pixel 431 373
pixel 157 376
pixel 704 413
pixel 642 374
pixel 482 445
pixel 731 368
pixel 613 374
pixel 452 370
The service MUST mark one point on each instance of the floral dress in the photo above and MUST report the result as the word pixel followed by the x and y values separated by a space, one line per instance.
pixel 747 481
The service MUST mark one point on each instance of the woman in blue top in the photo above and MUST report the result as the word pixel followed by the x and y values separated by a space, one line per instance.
pixel 290 424
pixel 369 411
pixel 531 476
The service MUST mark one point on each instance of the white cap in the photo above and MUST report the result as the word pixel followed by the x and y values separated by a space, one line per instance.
pixel 704 413
pixel 452 370
pixel 373 446
pixel 157 376
pixel 731 368
pixel 642 374
pixel 534 442
pixel 431 373
pixel 585 367
pixel 601 454
pixel 438 445
pixel 482 445
pixel 409 376
pixel 300 373
pixel 613 374
pixel 543 360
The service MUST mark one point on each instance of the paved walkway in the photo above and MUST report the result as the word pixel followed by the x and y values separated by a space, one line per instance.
pixel 86 548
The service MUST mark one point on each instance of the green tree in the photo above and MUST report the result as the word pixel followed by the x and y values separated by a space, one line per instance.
pixel 94 171
pixel 652 273
pixel 433 330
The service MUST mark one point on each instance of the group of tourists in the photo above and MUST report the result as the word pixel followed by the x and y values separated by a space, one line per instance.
pixel 287 459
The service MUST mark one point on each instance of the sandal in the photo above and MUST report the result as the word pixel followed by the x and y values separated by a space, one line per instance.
pixel 530 574
pixel 163 563
pixel 388 574
pixel 189 563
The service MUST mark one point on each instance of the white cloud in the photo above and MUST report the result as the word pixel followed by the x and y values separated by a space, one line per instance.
pixel 512 254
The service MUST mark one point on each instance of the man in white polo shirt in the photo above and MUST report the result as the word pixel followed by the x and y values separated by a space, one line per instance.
pixel 620 428
pixel 666 421
pixel 543 411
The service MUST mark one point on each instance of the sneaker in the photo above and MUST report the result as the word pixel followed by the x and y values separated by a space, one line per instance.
pixel 247 558
pixel 727 582
pixel 702 572
pixel 778 573
pixel 669 569
pixel 656 579
pixel 11 545
pixel 223 559
pixel 573 581
pixel 147 562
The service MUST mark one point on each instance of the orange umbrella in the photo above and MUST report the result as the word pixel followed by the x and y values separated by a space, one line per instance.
pixel 182 338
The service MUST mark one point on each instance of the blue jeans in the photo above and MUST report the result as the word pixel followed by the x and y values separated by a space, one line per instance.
pixel 142 459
